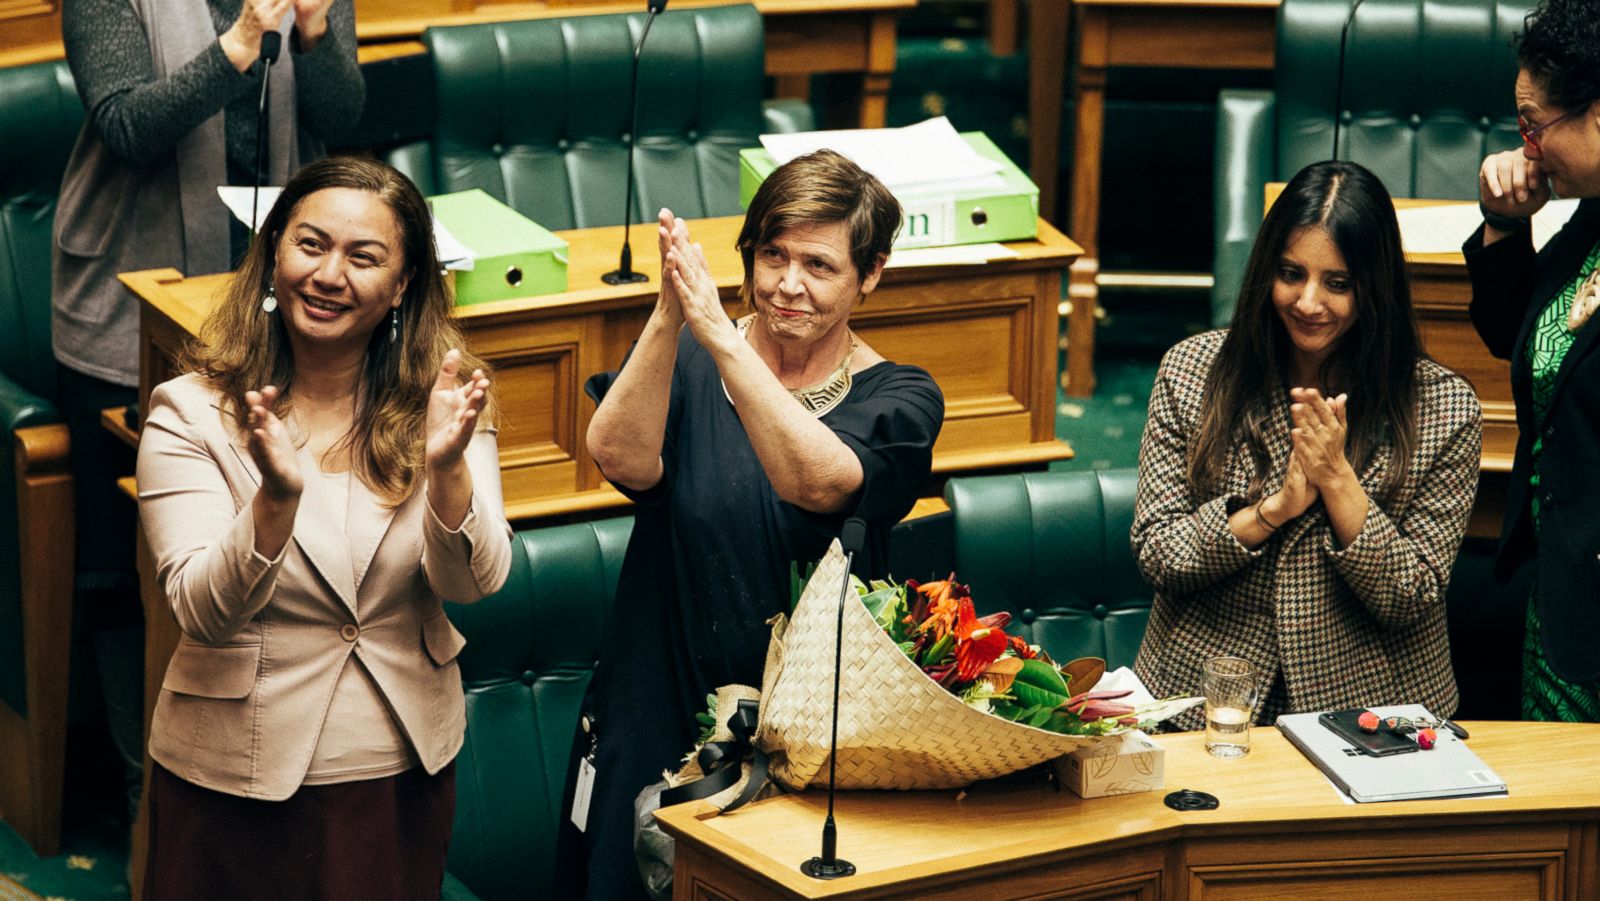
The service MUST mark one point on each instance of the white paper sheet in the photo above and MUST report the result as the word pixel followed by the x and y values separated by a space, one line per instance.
pixel 953 255
pixel 239 201
pixel 1444 228
pixel 929 154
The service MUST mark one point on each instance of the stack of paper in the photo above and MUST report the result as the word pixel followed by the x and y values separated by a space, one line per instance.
pixel 923 159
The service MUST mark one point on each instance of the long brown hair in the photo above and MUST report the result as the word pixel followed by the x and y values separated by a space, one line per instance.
pixel 1248 383
pixel 242 348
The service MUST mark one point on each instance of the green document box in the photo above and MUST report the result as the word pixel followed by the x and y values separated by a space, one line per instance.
pixel 963 215
pixel 514 256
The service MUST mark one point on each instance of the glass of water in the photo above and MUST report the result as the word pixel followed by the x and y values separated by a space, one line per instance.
pixel 1230 688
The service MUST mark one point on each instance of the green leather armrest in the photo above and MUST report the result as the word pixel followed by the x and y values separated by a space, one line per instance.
pixel 415 160
pixel 21 408
pixel 786 115
pixel 1246 122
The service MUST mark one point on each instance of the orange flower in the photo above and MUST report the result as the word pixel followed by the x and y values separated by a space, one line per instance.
pixel 978 643
pixel 942 597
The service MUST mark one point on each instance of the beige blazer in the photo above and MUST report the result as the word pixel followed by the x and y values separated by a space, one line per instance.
pixel 244 699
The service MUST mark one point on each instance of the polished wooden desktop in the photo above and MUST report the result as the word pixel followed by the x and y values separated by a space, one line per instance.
pixel 803 37
pixel 987 333
pixel 1168 34
pixel 1281 831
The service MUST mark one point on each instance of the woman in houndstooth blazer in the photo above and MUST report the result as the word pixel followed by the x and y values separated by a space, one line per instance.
pixel 1306 475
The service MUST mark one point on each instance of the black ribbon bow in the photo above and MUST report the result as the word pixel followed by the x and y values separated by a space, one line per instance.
pixel 722 763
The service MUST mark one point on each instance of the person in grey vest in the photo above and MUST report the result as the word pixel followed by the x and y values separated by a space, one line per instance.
pixel 171 89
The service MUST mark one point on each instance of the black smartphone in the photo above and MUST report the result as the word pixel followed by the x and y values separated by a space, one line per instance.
pixel 1381 743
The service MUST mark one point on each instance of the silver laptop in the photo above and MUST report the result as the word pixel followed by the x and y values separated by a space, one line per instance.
pixel 1449 770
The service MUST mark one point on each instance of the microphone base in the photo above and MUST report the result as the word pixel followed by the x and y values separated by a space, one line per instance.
pixel 817 868
pixel 618 277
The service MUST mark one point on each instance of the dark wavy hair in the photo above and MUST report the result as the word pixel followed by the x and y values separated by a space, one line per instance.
pixel 1560 48
pixel 1248 383
pixel 242 348
pixel 822 186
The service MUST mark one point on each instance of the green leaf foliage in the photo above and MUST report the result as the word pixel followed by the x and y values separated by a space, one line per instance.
pixel 1040 685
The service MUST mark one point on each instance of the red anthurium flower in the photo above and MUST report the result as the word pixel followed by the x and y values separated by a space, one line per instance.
pixel 977 645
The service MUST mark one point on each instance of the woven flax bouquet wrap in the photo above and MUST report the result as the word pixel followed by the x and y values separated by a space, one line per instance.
pixel 898 729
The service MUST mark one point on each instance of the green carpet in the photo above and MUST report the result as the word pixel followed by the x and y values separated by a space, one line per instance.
pixel 90 868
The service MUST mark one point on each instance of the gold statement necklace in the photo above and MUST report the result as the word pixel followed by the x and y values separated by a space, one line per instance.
pixel 1584 301
pixel 818 398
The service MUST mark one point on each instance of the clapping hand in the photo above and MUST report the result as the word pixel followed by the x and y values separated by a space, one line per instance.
pixel 1319 437
pixel 667 302
pixel 242 42
pixel 684 264
pixel 311 21
pixel 453 408
pixel 270 447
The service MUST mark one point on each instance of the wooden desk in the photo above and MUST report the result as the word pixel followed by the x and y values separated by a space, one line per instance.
pixel 1281 832
pixel 1169 34
pixel 986 333
pixel 803 37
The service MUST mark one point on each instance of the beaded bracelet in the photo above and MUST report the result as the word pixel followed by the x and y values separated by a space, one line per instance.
pixel 1262 520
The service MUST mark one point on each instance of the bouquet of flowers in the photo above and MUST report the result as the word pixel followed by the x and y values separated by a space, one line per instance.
pixel 931 695
pixel 936 625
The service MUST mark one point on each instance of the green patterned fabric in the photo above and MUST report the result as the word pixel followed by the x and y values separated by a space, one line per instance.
pixel 1545 695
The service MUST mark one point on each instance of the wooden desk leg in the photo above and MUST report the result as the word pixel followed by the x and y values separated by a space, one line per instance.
pixel 160 640
pixel 1047 72
pixel 1088 139
pixel 880 71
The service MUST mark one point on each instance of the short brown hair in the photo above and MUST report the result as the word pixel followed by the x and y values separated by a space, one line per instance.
pixel 823 186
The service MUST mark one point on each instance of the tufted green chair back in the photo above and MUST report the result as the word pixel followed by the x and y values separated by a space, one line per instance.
pixel 40 115
pixel 536 113
pixel 1427 95
pixel 530 650
pixel 1052 548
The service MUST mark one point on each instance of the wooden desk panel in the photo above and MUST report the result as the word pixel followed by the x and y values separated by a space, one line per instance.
pixel 986 333
pixel 1281 832
pixel 1181 34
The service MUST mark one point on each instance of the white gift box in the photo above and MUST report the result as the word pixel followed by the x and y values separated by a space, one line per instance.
pixel 1126 764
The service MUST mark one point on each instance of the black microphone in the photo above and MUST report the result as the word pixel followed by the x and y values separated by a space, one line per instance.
pixel 828 866
pixel 1338 91
pixel 271 45
pixel 624 274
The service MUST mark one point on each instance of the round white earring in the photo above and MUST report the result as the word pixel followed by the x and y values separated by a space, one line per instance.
pixel 270 302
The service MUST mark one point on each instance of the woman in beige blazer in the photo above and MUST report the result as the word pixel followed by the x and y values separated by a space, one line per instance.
pixel 312 491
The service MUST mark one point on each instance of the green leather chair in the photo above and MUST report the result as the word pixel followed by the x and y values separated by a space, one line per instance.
pixel 531 648
pixel 1052 548
pixel 536 114
pixel 40 115
pixel 1427 95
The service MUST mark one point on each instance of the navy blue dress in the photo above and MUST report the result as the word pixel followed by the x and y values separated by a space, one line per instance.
pixel 709 564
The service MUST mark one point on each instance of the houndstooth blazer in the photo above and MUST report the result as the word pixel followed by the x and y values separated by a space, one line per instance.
pixel 1347 628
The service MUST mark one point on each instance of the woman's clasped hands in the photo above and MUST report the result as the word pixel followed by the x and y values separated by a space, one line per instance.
pixel 688 286
pixel 1317 462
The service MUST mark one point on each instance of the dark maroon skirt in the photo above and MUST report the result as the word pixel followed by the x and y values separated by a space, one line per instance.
pixel 378 838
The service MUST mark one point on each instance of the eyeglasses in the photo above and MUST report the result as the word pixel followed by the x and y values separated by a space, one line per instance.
pixel 1530 136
